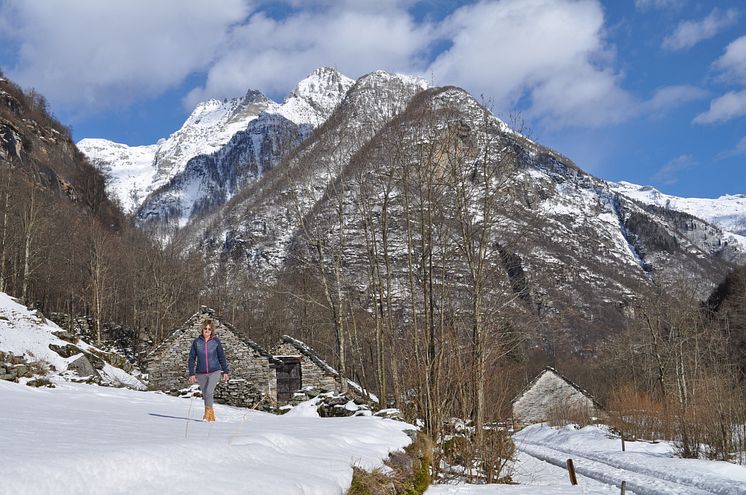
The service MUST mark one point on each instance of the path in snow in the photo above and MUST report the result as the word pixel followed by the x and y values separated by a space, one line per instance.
pixel 647 472
pixel 607 473
pixel 535 477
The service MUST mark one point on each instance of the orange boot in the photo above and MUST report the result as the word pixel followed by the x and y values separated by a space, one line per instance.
pixel 210 413
pixel 206 416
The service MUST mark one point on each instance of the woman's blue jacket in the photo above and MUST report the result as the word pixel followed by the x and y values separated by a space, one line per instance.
pixel 208 356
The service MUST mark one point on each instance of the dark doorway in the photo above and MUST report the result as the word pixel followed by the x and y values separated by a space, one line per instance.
pixel 288 378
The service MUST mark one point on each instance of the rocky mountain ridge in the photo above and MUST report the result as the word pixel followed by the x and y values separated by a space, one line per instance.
pixel 575 253
pixel 136 171
pixel 260 222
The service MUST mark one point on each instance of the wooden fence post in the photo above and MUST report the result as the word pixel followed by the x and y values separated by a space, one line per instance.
pixel 571 472
pixel 623 442
pixel 624 487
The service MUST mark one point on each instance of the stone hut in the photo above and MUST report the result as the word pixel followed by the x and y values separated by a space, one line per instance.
pixel 548 394
pixel 299 366
pixel 251 377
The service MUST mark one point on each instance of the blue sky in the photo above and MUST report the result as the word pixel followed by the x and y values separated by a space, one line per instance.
pixel 649 91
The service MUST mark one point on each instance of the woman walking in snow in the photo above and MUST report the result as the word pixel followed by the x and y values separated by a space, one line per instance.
pixel 208 355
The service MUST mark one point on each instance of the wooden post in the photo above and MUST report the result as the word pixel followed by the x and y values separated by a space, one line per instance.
pixel 623 442
pixel 571 472
pixel 624 487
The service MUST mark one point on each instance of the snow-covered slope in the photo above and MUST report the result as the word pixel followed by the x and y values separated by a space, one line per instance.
pixel 129 169
pixel 727 212
pixel 24 333
pixel 82 439
pixel 136 171
pixel 208 128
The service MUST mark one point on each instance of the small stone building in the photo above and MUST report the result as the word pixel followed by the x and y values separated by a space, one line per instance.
pixel 256 375
pixel 251 376
pixel 551 393
pixel 299 366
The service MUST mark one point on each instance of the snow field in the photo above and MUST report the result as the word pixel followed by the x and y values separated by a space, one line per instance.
pixel 81 439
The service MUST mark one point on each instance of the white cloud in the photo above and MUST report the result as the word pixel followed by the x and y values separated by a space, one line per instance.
pixel 550 52
pixel 732 69
pixel 689 33
pixel 740 148
pixel 732 64
pixel 550 56
pixel 670 97
pixel 271 55
pixel 727 107
pixel 669 173
pixel 94 54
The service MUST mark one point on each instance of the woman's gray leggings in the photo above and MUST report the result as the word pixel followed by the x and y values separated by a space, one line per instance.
pixel 207 383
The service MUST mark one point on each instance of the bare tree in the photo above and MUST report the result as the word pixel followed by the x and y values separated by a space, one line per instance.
pixel 99 269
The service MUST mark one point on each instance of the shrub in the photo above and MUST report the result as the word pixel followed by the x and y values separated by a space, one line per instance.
pixel 40 382
pixel 409 472
pixel 370 483
pixel 636 414
pixel 40 368
pixel 575 414
pixel 497 451
pixel 456 451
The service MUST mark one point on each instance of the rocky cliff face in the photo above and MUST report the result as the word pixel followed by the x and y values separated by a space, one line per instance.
pixel 36 151
pixel 209 181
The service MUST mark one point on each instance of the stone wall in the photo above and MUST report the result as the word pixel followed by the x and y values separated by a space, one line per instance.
pixel 248 363
pixel 238 392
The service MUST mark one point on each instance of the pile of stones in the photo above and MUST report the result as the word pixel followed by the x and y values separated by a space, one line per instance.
pixel 14 367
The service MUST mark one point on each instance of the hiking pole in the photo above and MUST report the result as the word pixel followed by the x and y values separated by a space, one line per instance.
pixel 189 418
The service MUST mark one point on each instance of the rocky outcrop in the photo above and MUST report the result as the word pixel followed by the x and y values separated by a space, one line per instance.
pixel 11 142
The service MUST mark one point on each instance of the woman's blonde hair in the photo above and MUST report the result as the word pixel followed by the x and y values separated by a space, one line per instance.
pixel 205 323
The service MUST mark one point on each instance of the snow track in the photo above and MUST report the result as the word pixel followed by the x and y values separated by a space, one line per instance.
pixel 641 479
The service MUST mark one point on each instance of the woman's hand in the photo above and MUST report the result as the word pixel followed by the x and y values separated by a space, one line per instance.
pixel 225 377
pixel 192 378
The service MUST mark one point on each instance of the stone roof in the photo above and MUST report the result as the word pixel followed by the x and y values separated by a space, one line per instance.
pixel 559 375
pixel 306 351
pixel 188 325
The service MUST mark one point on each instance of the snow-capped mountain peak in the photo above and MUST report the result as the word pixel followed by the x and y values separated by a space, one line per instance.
pixel 137 171
pixel 315 97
